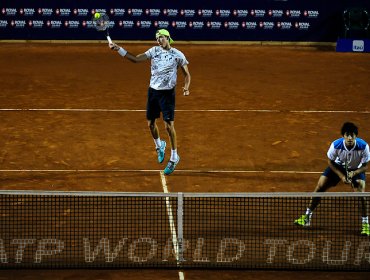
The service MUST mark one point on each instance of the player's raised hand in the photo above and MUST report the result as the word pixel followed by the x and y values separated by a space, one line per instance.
pixel 113 46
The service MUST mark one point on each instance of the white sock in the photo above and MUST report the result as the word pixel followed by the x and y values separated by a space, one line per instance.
pixel 365 220
pixel 157 142
pixel 309 212
pixel 174 155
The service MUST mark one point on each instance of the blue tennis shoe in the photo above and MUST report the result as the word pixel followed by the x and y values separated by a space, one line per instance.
pixel 161 151
pixel 171 166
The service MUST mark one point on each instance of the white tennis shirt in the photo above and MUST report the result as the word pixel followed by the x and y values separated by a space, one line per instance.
pixel 355 157
pixel 164 64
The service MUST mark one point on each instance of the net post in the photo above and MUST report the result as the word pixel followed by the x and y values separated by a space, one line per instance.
pixel 180 229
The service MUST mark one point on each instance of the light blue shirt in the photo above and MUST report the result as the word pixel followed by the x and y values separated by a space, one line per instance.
pixel 355 157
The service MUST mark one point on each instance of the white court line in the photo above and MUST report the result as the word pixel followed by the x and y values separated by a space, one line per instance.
pixel 154 171
pixel 193 110
pixel 172 223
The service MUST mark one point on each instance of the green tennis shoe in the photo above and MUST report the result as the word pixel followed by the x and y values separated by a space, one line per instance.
pixel 171 166
pixel 303 221
pixel 161 151
pixel 365 229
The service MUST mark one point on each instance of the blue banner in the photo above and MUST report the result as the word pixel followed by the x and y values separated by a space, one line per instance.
pixel 253 20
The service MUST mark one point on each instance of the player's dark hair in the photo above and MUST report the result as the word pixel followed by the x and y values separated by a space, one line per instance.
pixel 349 128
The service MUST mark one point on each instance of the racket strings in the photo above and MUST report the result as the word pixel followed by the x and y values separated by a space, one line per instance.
pixel 101 23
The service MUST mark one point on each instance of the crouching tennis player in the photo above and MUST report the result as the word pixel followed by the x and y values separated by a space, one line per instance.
pixel 347 157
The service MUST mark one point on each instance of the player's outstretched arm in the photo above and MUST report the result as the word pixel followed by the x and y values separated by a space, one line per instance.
pixel 138 58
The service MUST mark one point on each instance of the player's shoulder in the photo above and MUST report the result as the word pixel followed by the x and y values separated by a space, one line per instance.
pixel 338 144
pixel 177 52
pixel 360 144
pixel 154 49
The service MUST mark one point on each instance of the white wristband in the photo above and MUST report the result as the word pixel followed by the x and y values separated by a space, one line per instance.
pixel 122 51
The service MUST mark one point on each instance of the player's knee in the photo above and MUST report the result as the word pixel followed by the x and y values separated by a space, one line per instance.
pixel 151 124
pixel 323 184
pixel 169 125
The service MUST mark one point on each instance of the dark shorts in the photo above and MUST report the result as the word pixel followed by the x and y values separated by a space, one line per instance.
pixel 335 179
pixel 160 101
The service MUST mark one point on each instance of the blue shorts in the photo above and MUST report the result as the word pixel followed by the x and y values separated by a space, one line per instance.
pixel 160 101
pixel 328 172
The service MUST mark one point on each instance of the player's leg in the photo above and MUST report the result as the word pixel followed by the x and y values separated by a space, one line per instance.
pixel 168 110
pixel 170 128
pixel 359 183
pixel 175 158
pixel 323 185
pixel 152 113
pixel 327 180
pixel 160 145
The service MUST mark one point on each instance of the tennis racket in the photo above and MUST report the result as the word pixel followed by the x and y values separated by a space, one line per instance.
pixel 348 179
pixel 101 23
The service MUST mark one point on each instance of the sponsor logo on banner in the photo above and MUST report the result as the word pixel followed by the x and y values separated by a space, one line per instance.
pixel 358 45
pixel 275 13
pixel 102 11
pixel 170 12
pixel 36 23
pixel 293 13
pixel 187 13
pixel 284 25
pixel 223 13
pixel 267 25
pixel 126 23
pixel 135 12
pixel 231 24
pixel 258 13
pixel 63 12
pixel 117 12
pixel 214 24
pixel 240 13
pixel 153 12
pixel 87 24
pixel 311 14
pixel 196 24
pixel 302 25
pixel 250 25
pixel 143 24
pixel 18 23
pixel 3 23
pixel 81 12
pixel 26 11
pixel 71 23
pixel 45 11
pixel 179 24
pixel 205 13
pixel 54 23
pixel 161 24
pixel 9 11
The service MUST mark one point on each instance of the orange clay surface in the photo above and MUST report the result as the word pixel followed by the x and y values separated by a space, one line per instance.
pixel 258 119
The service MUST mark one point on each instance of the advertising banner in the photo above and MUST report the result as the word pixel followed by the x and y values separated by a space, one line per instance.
pixel 253 20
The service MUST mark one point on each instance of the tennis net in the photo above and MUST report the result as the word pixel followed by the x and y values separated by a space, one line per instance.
pixel 40 229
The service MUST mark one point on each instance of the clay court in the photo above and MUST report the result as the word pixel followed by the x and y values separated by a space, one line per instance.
pixel 259 118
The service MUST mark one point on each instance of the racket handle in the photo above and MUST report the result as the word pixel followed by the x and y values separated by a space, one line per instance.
pixel 109 39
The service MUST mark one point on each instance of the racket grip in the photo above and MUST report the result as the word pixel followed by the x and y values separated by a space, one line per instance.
pixel 109 39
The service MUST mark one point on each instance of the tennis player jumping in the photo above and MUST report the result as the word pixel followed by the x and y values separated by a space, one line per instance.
pixel 347 158
pixel 165 61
